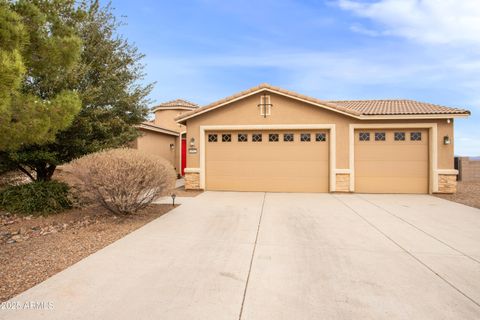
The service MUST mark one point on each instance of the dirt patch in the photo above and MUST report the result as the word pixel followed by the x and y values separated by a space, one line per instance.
pixel 33 249
pixel 468 193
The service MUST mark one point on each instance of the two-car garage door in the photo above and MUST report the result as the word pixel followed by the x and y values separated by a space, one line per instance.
pixel 277 161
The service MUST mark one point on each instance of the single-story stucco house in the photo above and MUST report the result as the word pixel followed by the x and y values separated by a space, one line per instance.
pixel 164 136
pixel 270 139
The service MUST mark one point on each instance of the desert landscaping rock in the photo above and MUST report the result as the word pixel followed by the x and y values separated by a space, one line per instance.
pixel 468 193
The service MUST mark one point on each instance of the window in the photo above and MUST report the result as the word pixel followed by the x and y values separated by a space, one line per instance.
pixel 379 136
pixel 242 137
pixel 257 137
pixel 415 136
pixel 212 138
pixel 305 137
pixel 288 137
pixel 364 136
pixel 399 136
pixel 273 137
pixel 226 137
pixel 320 137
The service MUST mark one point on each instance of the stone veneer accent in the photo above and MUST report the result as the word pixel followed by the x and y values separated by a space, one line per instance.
pixel 447 183
pixel 192 181
pixel 342 182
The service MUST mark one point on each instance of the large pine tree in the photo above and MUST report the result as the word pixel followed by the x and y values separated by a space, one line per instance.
pixel 106 79
pixel 34 47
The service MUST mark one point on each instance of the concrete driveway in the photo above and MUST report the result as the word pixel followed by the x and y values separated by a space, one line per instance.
pixel 225 255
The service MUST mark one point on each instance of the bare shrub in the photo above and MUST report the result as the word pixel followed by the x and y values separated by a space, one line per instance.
pixel 122 180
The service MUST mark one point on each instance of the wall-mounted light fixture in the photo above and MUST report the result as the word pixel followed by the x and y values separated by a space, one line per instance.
pixel 446 140
pixel 192 142
pixel 448 121
pixel 172 146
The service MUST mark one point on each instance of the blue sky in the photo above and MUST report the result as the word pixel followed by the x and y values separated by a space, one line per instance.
pixel 204 50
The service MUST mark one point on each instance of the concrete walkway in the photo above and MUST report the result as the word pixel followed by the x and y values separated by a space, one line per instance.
pixel 280 256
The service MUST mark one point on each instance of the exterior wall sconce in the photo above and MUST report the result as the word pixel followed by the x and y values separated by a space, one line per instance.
pixel 172 146
pixel 446 140
pixel 192 142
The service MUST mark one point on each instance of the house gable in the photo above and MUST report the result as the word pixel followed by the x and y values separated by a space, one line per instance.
pixel 265 89
pixel 283 110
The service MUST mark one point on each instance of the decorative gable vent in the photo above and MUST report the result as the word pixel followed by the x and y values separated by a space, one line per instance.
pixel 265 105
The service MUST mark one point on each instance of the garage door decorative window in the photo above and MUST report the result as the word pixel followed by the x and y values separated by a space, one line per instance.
pixel 364 136
pixel 257 137
pixel 273 137
pixel 242 137
pixel 321 137
pixel 288 137
pixel 415 136
pixel 305 137
pixel 379 136
pixel 399 136
pixel 212 138
pixel 227 137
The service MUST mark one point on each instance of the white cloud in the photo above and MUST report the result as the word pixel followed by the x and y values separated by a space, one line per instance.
pixel 361 29
pixel 455 22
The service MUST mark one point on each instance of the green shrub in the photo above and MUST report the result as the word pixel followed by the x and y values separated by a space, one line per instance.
pixel 38 198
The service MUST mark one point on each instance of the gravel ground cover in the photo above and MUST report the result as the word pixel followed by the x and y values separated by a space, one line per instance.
pixel 468 193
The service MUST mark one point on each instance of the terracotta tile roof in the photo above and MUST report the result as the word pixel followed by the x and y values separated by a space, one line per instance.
pixel 396 107
pixel 177 103
pixel 356 108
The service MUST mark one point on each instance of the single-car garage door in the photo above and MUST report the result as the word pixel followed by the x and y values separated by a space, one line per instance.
pixel 391 161
pixel 277 161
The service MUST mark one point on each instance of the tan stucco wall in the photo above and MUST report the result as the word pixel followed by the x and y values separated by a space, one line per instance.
pixel 165 119
pixel 289 111
pixel 158 144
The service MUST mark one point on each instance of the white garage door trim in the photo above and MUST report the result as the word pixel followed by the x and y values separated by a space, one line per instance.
pixel 432 147
pixel 332 143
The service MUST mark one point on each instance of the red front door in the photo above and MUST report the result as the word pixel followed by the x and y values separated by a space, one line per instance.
pixel 184 155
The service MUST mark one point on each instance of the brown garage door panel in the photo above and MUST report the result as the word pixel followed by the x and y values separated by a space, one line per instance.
pixel 264 151
pixel 391 152
pixel 392 166
pixel 267 166
pixel 395 185
pixel 268 169
pixel 273 184
pixel 392 169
